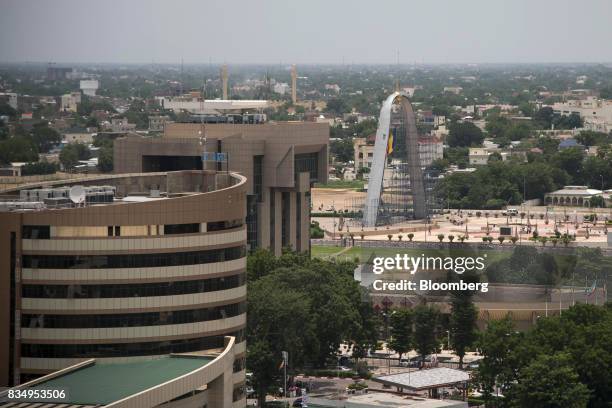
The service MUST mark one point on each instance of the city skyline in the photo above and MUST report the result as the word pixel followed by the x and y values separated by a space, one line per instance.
pixel 273 31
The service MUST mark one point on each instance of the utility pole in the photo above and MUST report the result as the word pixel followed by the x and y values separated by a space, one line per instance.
pixel 285 361
pixel 293 84
pixel 224 80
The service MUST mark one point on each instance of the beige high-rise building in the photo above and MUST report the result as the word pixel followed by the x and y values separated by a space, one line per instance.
pixel 281 160
pixel 143 267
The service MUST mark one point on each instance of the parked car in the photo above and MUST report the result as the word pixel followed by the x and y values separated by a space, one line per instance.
pixel 510 212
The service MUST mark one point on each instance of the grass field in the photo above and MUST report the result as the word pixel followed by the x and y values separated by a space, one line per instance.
pixel 355 184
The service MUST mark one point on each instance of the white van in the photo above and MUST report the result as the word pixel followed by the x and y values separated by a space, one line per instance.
pixel 510 212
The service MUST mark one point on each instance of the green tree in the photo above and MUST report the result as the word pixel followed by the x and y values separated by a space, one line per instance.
pixel 45 137
pixel 592 138
pixel 425 330
pixel 497 368
pixel 570 160
pixel 18 149
pixel 544 117
pixel 550 381
pixel 337 106
pixel 401 331
pixel 464 134
pixel 42 167
pixel 105 159
pixel 260 263
pixel 463 330
pixel 72 153
pixel 343 150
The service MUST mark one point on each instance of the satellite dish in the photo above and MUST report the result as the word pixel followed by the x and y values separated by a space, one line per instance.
pixel 77 194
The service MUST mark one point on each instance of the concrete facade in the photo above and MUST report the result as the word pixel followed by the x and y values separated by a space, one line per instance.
pixel 159 270
pixel 280 161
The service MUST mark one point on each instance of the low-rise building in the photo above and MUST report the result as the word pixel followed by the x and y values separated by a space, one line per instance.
pixel 575 196
pixel 157 122
pixel 453 89
pixel 70 102
pixel 430 149
pixel 364 151
pixel 78 135
pixel 121 125
pixel 596 113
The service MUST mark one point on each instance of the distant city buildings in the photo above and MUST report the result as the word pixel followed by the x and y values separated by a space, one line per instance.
pixel 57 73
pixel 10 98
pixel 430 149
pixel 121 125
pixel 157 122
pixel 194 102
pixel 69 102
pixel 281 88
pixel 78 135
pixel 89 87
pixel 596 113
pixel 453 89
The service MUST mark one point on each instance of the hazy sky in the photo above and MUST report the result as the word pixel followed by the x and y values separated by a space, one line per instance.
pixel 307 31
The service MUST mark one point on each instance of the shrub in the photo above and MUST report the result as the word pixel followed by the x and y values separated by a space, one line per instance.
pixel 410 236
pixel 451 238
pixel 315 230
pixel 390 237
pixel 441 237
pixel 43 167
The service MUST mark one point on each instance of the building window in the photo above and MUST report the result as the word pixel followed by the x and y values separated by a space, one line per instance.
pixel 258 177
pixel 133 289
pixel 285 219
pixel 251 222
pixel 298 221
pixel 51 321
pixel 307 162
pixel 272 219
pixel 171 229
pixel 223 225
pixel 127 349
pixel 133 260
pixel 36 232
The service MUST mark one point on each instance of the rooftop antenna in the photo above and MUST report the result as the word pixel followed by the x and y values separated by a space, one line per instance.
pixel 224 80
pixel 293 84
pixel 181 75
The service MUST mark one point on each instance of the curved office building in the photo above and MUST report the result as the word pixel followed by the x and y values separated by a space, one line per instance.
pixel 146 266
